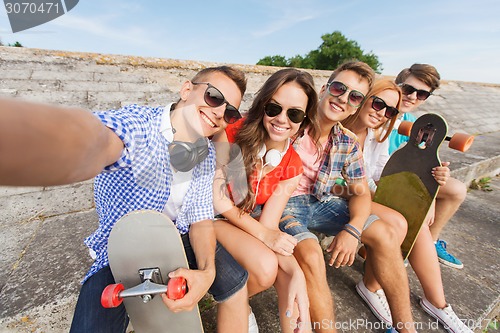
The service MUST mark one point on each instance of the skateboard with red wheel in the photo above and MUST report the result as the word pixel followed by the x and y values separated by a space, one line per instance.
pixel 406 184
pixel 143 247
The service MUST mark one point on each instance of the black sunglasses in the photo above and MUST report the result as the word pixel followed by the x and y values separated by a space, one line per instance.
pixel 409 89
pixel 336 89
pixel 379 104
pixel 214 98
pixel 295 115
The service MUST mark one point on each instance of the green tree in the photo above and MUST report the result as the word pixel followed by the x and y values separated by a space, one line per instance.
pixel 277 60
pixel 334 50
pixel 16 44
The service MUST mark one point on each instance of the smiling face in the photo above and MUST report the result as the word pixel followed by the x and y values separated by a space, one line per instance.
pixel 280 128
pixel 371 118
pixel 334 109
pixel 410 102
pixel 206 119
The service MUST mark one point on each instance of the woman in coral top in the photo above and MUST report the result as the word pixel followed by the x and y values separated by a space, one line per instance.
pixel 257 172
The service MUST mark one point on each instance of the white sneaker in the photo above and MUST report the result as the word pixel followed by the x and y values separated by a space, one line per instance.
pixel 376 301
pixel 252 323
pixel 446 317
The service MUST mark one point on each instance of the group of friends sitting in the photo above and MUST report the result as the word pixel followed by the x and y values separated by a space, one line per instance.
pixel 251 202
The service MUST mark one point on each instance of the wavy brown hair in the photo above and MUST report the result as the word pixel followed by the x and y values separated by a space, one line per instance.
pixel 386 127
pixel 252 135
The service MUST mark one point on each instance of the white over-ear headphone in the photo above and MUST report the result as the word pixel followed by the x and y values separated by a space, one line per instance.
pixel 273 156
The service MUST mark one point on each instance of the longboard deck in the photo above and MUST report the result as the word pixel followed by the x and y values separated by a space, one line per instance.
pixel 148 239
pixel 407 184
pixel 413 202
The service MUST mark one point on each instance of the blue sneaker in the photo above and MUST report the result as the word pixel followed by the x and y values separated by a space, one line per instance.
pixel 446 258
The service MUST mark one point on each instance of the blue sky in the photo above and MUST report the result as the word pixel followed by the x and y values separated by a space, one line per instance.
pixel 461 38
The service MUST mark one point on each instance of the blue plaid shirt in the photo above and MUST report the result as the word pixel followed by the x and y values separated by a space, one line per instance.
pixel 141 177
pixel 342 158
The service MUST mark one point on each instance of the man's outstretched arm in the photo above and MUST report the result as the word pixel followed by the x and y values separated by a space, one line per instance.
pixel 42 145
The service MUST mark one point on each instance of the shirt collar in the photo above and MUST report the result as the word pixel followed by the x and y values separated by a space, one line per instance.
pixel 166 128
pixel 336 130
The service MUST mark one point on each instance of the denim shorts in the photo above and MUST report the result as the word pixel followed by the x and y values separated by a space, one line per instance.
pixel 230 277
pixel 306 213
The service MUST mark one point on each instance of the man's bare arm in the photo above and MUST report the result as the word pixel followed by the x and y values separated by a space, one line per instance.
pixel 202 239
pixel 43 145
pixel 359 204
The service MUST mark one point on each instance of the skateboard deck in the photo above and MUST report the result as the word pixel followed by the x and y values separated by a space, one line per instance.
pixel 406 184
pixel 145 245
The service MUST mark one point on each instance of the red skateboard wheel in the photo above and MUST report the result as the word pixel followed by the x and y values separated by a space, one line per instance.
pixel 110 295
pixel 176 288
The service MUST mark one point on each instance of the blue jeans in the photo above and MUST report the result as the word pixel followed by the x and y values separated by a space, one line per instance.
pixel 91 316
pixel 306 212
pixel 230 277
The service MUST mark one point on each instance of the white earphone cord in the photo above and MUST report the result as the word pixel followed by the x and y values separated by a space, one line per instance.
pixel 272 162
pixel 258 181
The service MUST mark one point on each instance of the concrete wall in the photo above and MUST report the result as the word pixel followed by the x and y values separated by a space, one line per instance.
pixel 99 82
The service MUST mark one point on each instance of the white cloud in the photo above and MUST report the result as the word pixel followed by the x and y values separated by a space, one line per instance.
pixel 104 28
pixel 282 24
pixel 284 14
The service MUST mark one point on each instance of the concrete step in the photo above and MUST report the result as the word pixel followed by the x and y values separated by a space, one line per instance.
pixel 482 159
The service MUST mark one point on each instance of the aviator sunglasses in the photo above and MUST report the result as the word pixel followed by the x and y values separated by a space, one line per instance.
pixel 214 98
pixel 379 104
pixel 409 89
pixel 336 89
pixel 295 115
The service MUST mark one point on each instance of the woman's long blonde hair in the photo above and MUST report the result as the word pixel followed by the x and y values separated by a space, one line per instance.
pixel 383 130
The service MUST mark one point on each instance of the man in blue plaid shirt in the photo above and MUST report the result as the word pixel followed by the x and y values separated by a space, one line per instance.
pixel 128 151
pixel 333 198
